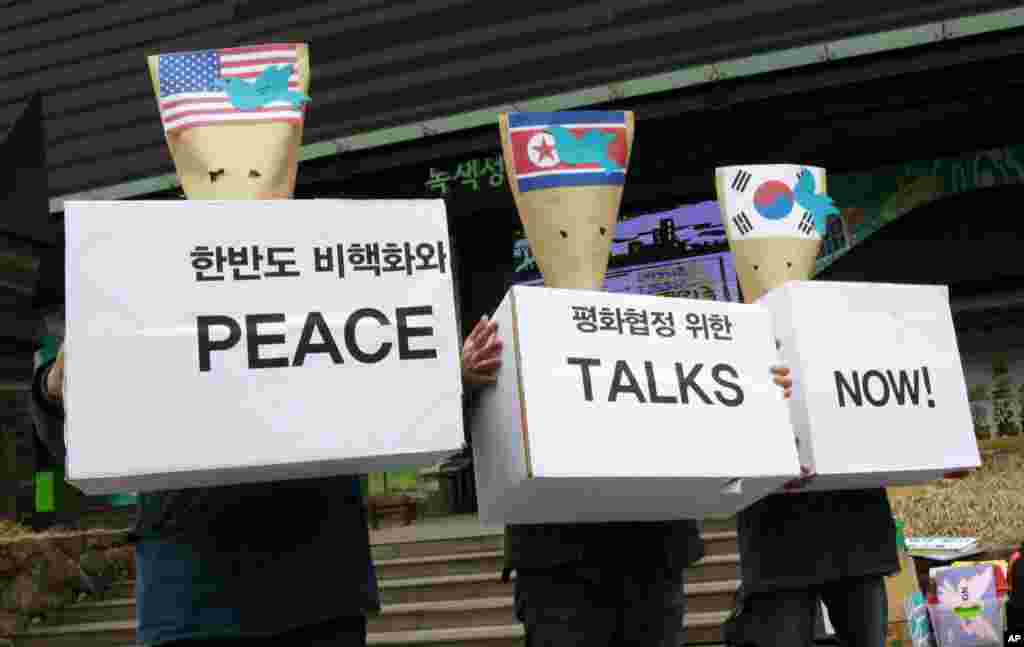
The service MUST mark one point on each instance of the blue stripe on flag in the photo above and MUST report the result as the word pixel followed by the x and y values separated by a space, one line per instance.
pixel 598 178
pixel 568 117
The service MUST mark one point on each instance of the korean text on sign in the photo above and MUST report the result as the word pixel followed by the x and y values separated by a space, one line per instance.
pixel 590 319
pixel 246 262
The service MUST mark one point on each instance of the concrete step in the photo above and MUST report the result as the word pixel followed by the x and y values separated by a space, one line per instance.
pixel 461 555
pixel 439 565
pixel 426 592
pixel 715 568
pixel 449 587
pixel 719 538
pixel 718 566
pixel 701 628
pixel 416 616
pixel 448 614
pixel 711 597
pixel 109 610
pixel 412 549
pixel 720 543
pixel 511 635
pixel 711 569
pixel 90 634
pixel 121 634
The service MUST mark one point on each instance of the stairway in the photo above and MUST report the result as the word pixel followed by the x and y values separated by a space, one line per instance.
pixel 435 593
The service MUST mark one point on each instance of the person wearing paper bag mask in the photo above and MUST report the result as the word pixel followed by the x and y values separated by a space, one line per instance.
pixel 210 560
pixel 574 585
pixel 797 547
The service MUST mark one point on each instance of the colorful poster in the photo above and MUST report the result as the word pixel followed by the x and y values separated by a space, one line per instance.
pixel 679 253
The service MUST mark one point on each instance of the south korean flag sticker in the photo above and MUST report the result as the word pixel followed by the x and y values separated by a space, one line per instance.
pixel 773 201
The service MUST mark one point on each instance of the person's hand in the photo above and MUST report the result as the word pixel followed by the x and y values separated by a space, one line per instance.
pixel 783 379
pixel 55 379
pixel 481 354
pixel 797 484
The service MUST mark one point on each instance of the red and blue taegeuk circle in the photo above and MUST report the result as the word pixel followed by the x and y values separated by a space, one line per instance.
pixel 773 200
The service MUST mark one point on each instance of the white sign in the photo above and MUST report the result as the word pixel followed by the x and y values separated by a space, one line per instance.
pixel 879 395
pixel 617 407
pixel 225 342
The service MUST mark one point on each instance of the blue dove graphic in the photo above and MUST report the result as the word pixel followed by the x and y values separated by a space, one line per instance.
pixel 592 148
pixel 818 204
pixel 268 87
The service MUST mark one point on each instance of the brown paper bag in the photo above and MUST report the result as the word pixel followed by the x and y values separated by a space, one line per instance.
pixel 774 216
pixel 900 586
pixel 896 634
pixel 233 118
pixel 567 171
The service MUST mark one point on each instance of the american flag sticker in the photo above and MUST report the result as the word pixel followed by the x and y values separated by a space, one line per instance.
pixel 574 148
pixel 238 84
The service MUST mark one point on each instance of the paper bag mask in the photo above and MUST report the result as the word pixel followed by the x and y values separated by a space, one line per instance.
pixel 233 118
pixel 775 217
pixel 567 170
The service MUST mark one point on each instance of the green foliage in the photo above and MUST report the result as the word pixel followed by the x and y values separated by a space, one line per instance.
pixel 392 482
pixel 981 392
pixel 982 430
pixel 1006 406
pixel 1001 365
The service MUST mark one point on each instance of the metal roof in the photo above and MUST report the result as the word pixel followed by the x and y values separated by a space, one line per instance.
pixel 378 64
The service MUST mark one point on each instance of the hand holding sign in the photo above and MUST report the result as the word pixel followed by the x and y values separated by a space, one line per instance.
pixel 481 354
pixel 794 486
pixel 783 379
pixel 55 379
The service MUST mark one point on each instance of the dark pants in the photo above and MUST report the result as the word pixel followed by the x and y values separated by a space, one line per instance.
pixel 601 607
pixel 341 632
pixel 856 606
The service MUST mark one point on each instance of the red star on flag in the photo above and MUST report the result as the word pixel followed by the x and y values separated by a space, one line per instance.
pixel 545 150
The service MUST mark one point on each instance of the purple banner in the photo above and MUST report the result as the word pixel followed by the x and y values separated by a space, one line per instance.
pixel 679 253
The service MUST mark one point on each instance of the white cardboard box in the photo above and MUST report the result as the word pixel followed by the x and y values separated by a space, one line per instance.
pixel 548 449
pixel 149 409
pixel 879 394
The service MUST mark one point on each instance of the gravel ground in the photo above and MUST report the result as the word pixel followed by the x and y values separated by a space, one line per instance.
pixel 988 504
pixel 11 530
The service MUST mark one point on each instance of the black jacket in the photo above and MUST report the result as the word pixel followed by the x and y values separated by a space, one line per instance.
pixel 673 545
pixel 793 541
pixel 287 531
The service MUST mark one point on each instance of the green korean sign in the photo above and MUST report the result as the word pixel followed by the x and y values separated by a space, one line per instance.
pixel 478 174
